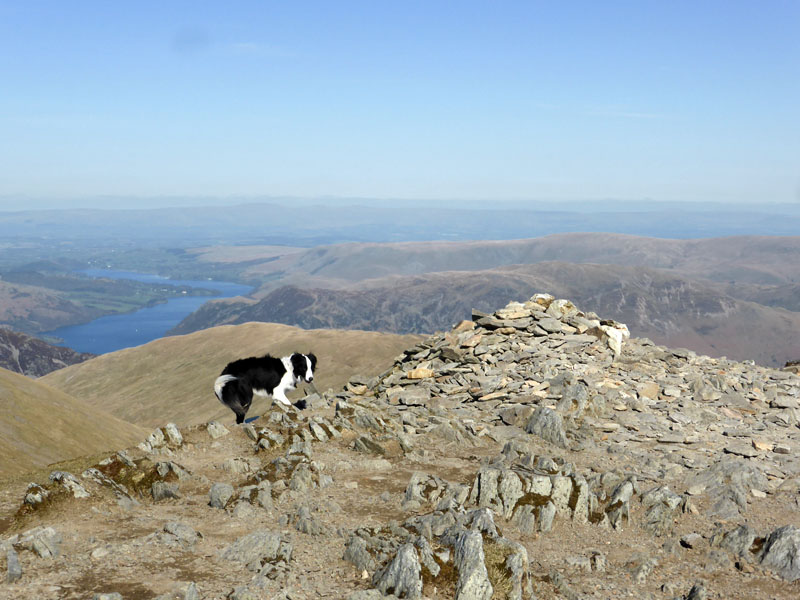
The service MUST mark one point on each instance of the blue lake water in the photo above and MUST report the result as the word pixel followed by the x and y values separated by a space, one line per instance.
pixel 115 332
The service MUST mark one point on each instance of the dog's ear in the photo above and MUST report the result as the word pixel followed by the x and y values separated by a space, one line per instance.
pixel 313 360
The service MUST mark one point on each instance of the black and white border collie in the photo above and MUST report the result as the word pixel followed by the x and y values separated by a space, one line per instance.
pixel 262 376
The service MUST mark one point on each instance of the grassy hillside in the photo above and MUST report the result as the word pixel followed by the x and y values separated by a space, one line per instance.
pixel 172 379
pixel 40 425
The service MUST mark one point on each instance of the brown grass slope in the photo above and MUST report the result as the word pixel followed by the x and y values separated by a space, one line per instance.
pixel 172 379
pixel 664 306
pixel 40 425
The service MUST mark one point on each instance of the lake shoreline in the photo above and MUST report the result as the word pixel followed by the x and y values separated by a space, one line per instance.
pixel 117 331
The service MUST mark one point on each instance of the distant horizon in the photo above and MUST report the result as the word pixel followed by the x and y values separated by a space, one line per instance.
pixel 11 203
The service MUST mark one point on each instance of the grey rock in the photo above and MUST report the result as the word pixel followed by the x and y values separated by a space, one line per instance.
pixel 13 568
pixel 35 494
pixel 728 482
pixel 191 592
pixel 560 583
pixel 641 567
pixel 599 562
pixel 482 520
pixel 524 519
pixel 264 495
pixel 698 592
pixel 173 434
pixel 44 541
pixel 547 514
pixel 164 490
pixel 737 541
pixel 548 425
pixel 110 596
pixel 582 563
pixel 240 466
pixel 401 576
pixel 658 519
pixel 183 533
pixel 781 552
pixel 156 439
pixel 70 482
pixel 560 496
pixel 308 524
pixel 166 467
pixel 370 595
pixel 356 553
pixel 426 558
pixel 517 567
pixel 257 548
pixel 510 490
pixel 691 540
pixel 485 490
pixel 216 430
pixel 219 495
pixel 302 479
pixel 473 578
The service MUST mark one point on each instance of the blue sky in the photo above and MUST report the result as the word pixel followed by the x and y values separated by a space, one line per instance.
pixel 420 100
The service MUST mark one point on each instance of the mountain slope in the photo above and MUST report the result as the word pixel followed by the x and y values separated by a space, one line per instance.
pixel 31 309
pixel 172 379
pixel 661 305
pixel 40 425
pixel 517 456
pixel 33 357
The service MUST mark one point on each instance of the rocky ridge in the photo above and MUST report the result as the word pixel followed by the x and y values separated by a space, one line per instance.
pixel 535 452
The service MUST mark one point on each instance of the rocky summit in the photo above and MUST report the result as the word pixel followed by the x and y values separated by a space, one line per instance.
pixel 536 452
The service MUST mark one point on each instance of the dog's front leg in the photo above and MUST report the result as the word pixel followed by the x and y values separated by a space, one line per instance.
pixel 282 399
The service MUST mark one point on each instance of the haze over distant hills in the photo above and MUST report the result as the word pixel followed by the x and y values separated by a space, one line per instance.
pixel 313 222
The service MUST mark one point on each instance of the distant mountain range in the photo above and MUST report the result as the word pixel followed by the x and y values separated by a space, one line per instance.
pixel 727 296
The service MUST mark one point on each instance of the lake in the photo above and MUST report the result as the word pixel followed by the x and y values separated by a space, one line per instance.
pixel 115 332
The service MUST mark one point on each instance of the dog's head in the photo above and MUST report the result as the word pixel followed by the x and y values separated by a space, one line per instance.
pixel 303 366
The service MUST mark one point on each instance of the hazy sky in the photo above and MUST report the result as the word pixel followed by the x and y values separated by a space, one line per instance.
pixel 665 100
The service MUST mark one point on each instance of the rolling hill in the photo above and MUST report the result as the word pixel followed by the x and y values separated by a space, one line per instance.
pixel 172 379
pixel 40 425
pixel 748 259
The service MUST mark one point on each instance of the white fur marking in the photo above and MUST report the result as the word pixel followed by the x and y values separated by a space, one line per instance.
pixel 287 382
pixel 309 372
pixel 220 383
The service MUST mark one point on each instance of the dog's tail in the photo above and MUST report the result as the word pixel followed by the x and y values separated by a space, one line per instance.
pixel 220 383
